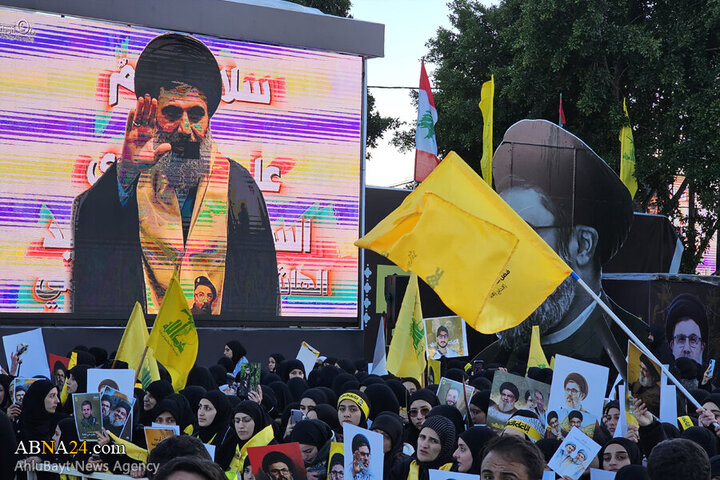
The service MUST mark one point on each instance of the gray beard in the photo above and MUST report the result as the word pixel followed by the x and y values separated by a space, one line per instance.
pixel 549 314
pixel 183 174
pixel 646 382
pixel 505 407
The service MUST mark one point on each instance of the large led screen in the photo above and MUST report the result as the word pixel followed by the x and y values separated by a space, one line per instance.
pixel 239 172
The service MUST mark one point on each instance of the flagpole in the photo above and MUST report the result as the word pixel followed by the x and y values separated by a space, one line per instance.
pixel 468 418
pixel 634 338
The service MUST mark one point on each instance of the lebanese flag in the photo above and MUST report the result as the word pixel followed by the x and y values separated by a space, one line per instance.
pixel 425 143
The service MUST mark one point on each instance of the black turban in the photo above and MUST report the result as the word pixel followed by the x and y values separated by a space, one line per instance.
pixel 173 58
pixel 510 386
pixel 686 306
pixel 582 187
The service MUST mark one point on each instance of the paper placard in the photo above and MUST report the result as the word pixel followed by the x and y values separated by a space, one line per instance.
pixel 31 346
pixel 155 435
pixel 307 355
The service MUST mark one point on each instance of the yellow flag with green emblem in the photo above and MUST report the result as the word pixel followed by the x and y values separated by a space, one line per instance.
pixel 481 258
pixel 406 355
pixel 627 155
pixel 487 95
pixel 173 338
pixel 132 345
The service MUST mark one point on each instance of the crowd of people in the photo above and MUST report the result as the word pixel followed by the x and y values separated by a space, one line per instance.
pixel 420 432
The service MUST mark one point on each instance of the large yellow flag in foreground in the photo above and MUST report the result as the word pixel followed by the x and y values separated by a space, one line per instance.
pixel 481 258
pixel 173 337
pixel 132 345
pixel 406 355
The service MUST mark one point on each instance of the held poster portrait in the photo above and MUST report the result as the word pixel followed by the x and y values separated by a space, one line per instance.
pixel 239 166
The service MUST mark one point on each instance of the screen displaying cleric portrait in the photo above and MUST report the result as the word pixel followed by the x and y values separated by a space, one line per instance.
pixel 129 154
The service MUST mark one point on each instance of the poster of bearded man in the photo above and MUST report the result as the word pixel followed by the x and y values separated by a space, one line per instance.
pixel 577 385
pixel 644 379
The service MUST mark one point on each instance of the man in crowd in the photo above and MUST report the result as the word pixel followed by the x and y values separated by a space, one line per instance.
pixel 686 327
pixel 579 206
pixel 141 217
pixel 442 337
pixel 512 457
pixel 361 458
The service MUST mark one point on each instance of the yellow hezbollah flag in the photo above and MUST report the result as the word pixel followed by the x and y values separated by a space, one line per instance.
pixel 406 355
pixel 71 364
pixel 537 356
pixel 481 258
pixel 627 156
pixel 486 107
pixel 173 338
pixel 132 345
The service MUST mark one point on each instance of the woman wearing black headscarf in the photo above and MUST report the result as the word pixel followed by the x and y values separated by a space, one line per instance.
pixel 251 426
pixel 354 408
pixel 390 425
pixel 235 352
pixel 314 437
pixel 213 417
pixel 193 394
pixel 329 415
pixel 5 391
pixel 311 398
pixel 76 383
pixel 468 455
pixel 290 369
pixel 421 402
pixel 39 417
pixel 436 443
pixel 154 393
pixel 179 407
pixel 219 374
pixel 282 394
pixel 297 387
pixel 619 452
pixel 382 399
pixel 201 377
pixel 274 362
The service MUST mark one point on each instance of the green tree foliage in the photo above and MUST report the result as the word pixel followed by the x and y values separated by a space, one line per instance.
pixel 377 125
pixel 663 56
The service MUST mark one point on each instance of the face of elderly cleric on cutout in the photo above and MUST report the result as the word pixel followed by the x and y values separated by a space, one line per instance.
pixel 529 204
pixel 687 340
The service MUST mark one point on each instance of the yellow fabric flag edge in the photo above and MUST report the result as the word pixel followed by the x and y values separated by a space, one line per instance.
pixel 486 105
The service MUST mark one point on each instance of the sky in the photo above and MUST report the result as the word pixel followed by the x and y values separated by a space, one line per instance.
pixel 409 24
